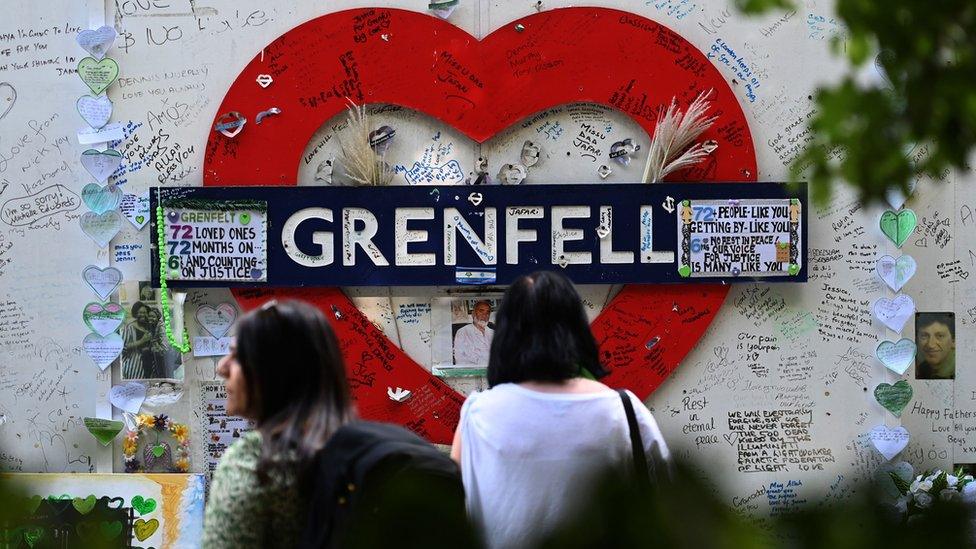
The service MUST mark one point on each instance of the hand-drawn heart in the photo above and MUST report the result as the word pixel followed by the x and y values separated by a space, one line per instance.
pixel 135 208
pixel 894 313
pixel 97 41
pixel 598 55
pixel 96 111
pixel 98 75
pixel 896 272
pixel 897 357
pixel 102 281
pixel 103 319
pixel 128 397
pixel 103 350
pixel 889 441
pixel 32 504
pixel 109 501
pixel 216 320
pixel 101 228
pixel 101 199
pixel 143 505
pixel 84 505
pixel 110 529
pixel 104 430
pixel 898 226
pixel 101 164
pixel 8 96
pixel 895 397
pixel 145 528
pixel 33 535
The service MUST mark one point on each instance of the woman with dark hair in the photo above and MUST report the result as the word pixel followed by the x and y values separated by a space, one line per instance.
pixel 286 374
pixel 528 446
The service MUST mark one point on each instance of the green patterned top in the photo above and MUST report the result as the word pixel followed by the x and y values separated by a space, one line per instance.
pixel 243 513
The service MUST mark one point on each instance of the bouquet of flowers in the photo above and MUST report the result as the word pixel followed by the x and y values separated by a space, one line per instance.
pixel 931 487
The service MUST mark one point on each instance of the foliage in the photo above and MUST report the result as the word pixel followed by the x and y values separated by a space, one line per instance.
pixel 864 132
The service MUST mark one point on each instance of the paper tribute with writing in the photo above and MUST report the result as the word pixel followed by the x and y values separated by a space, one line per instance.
pixel 217 240
pixel 739 237
pixel 222 430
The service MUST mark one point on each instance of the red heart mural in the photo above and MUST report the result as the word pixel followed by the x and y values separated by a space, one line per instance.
pixel 417 61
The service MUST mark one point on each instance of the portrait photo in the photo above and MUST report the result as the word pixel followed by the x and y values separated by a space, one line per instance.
pixel 472 327
pixel 146 351
pixel 935 336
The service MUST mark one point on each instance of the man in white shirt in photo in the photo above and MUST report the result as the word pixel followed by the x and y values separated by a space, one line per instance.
pixel 472 342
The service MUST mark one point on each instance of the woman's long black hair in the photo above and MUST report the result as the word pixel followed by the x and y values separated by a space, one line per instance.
pixel 541 333
pixel 296 382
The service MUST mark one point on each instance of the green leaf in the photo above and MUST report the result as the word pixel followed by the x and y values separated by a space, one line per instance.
pixel 939 484
pixel 900 483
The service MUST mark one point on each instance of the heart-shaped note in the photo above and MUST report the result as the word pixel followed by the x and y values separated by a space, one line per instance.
pixel 143 505
pixel 104 430
pixel 101 164
pixel 103 319
pixel 8 96
pixel 216 320
pixel 896 272
pixel 895 397
pixel 897 357
pixel 894 313
pixel 898 226
pixel 889 441
pixel 135 208
pixel 101 228
pixel 98 75
pixel 98 41
pixel 128 397
pixel 103 350
pixel 102 281
pixel 101 199
pixel 145 528
pixel 96 111
pixel 84 505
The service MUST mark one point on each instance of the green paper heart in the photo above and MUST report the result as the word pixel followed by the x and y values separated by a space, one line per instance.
pixel 32 504
pixel 110 529
pixel 98 75
pixel 104 430
pixel 898 226
pixel 143 505
pixel 245 218
pixel 684 270
pixel 794 268
pixel 158 450
pixel 103 319
pixel 33 535
pixel 84 505
pixel 894 397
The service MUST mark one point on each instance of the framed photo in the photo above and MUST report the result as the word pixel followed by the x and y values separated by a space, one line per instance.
pixel 935 336
pixel 146 353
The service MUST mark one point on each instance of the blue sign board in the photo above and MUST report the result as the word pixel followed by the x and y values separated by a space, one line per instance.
pixel 476 235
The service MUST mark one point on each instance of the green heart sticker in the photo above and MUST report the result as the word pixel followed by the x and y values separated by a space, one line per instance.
pixel 140 219
pixel 245 218
pixel 794 268
pixel 143 505
pixel 158 450
pixel 898 226
pixel 684 270
pixel 894 397
pixel 104 430
pixel 98 75
pixel 84 505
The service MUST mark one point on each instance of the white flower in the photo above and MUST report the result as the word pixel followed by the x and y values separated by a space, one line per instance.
pixel 952 480
pixel 967 477
pixel 923 500
pixel 947 494
pixel 969 492
pixel 921 486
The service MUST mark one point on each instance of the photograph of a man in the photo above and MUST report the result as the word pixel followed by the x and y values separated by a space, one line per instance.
pixel 935 336
pixel 472 342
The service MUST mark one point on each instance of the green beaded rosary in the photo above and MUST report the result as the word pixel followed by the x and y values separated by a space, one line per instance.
pixel 184 346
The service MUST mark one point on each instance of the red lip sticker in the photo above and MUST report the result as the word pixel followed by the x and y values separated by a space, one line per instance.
pixel 559 56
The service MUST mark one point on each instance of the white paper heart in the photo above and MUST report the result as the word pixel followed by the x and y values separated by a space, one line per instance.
pixel 101 228
pixel 894 313
pixel 128 397
pixel 97 42
pixel 896 272
pixel 889 441
pixel 101 164
pixel 103 349
pixel 96 111
pixel 897 357
pixel 216 320
pixel 102 281
pixel 135 208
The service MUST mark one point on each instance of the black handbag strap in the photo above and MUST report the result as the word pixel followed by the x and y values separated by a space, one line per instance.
pixel 636 443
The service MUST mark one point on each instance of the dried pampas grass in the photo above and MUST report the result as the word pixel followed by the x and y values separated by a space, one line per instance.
pixel 360 162
pixel 671 145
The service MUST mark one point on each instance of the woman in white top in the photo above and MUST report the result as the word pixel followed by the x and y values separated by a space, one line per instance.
pixel 529 444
